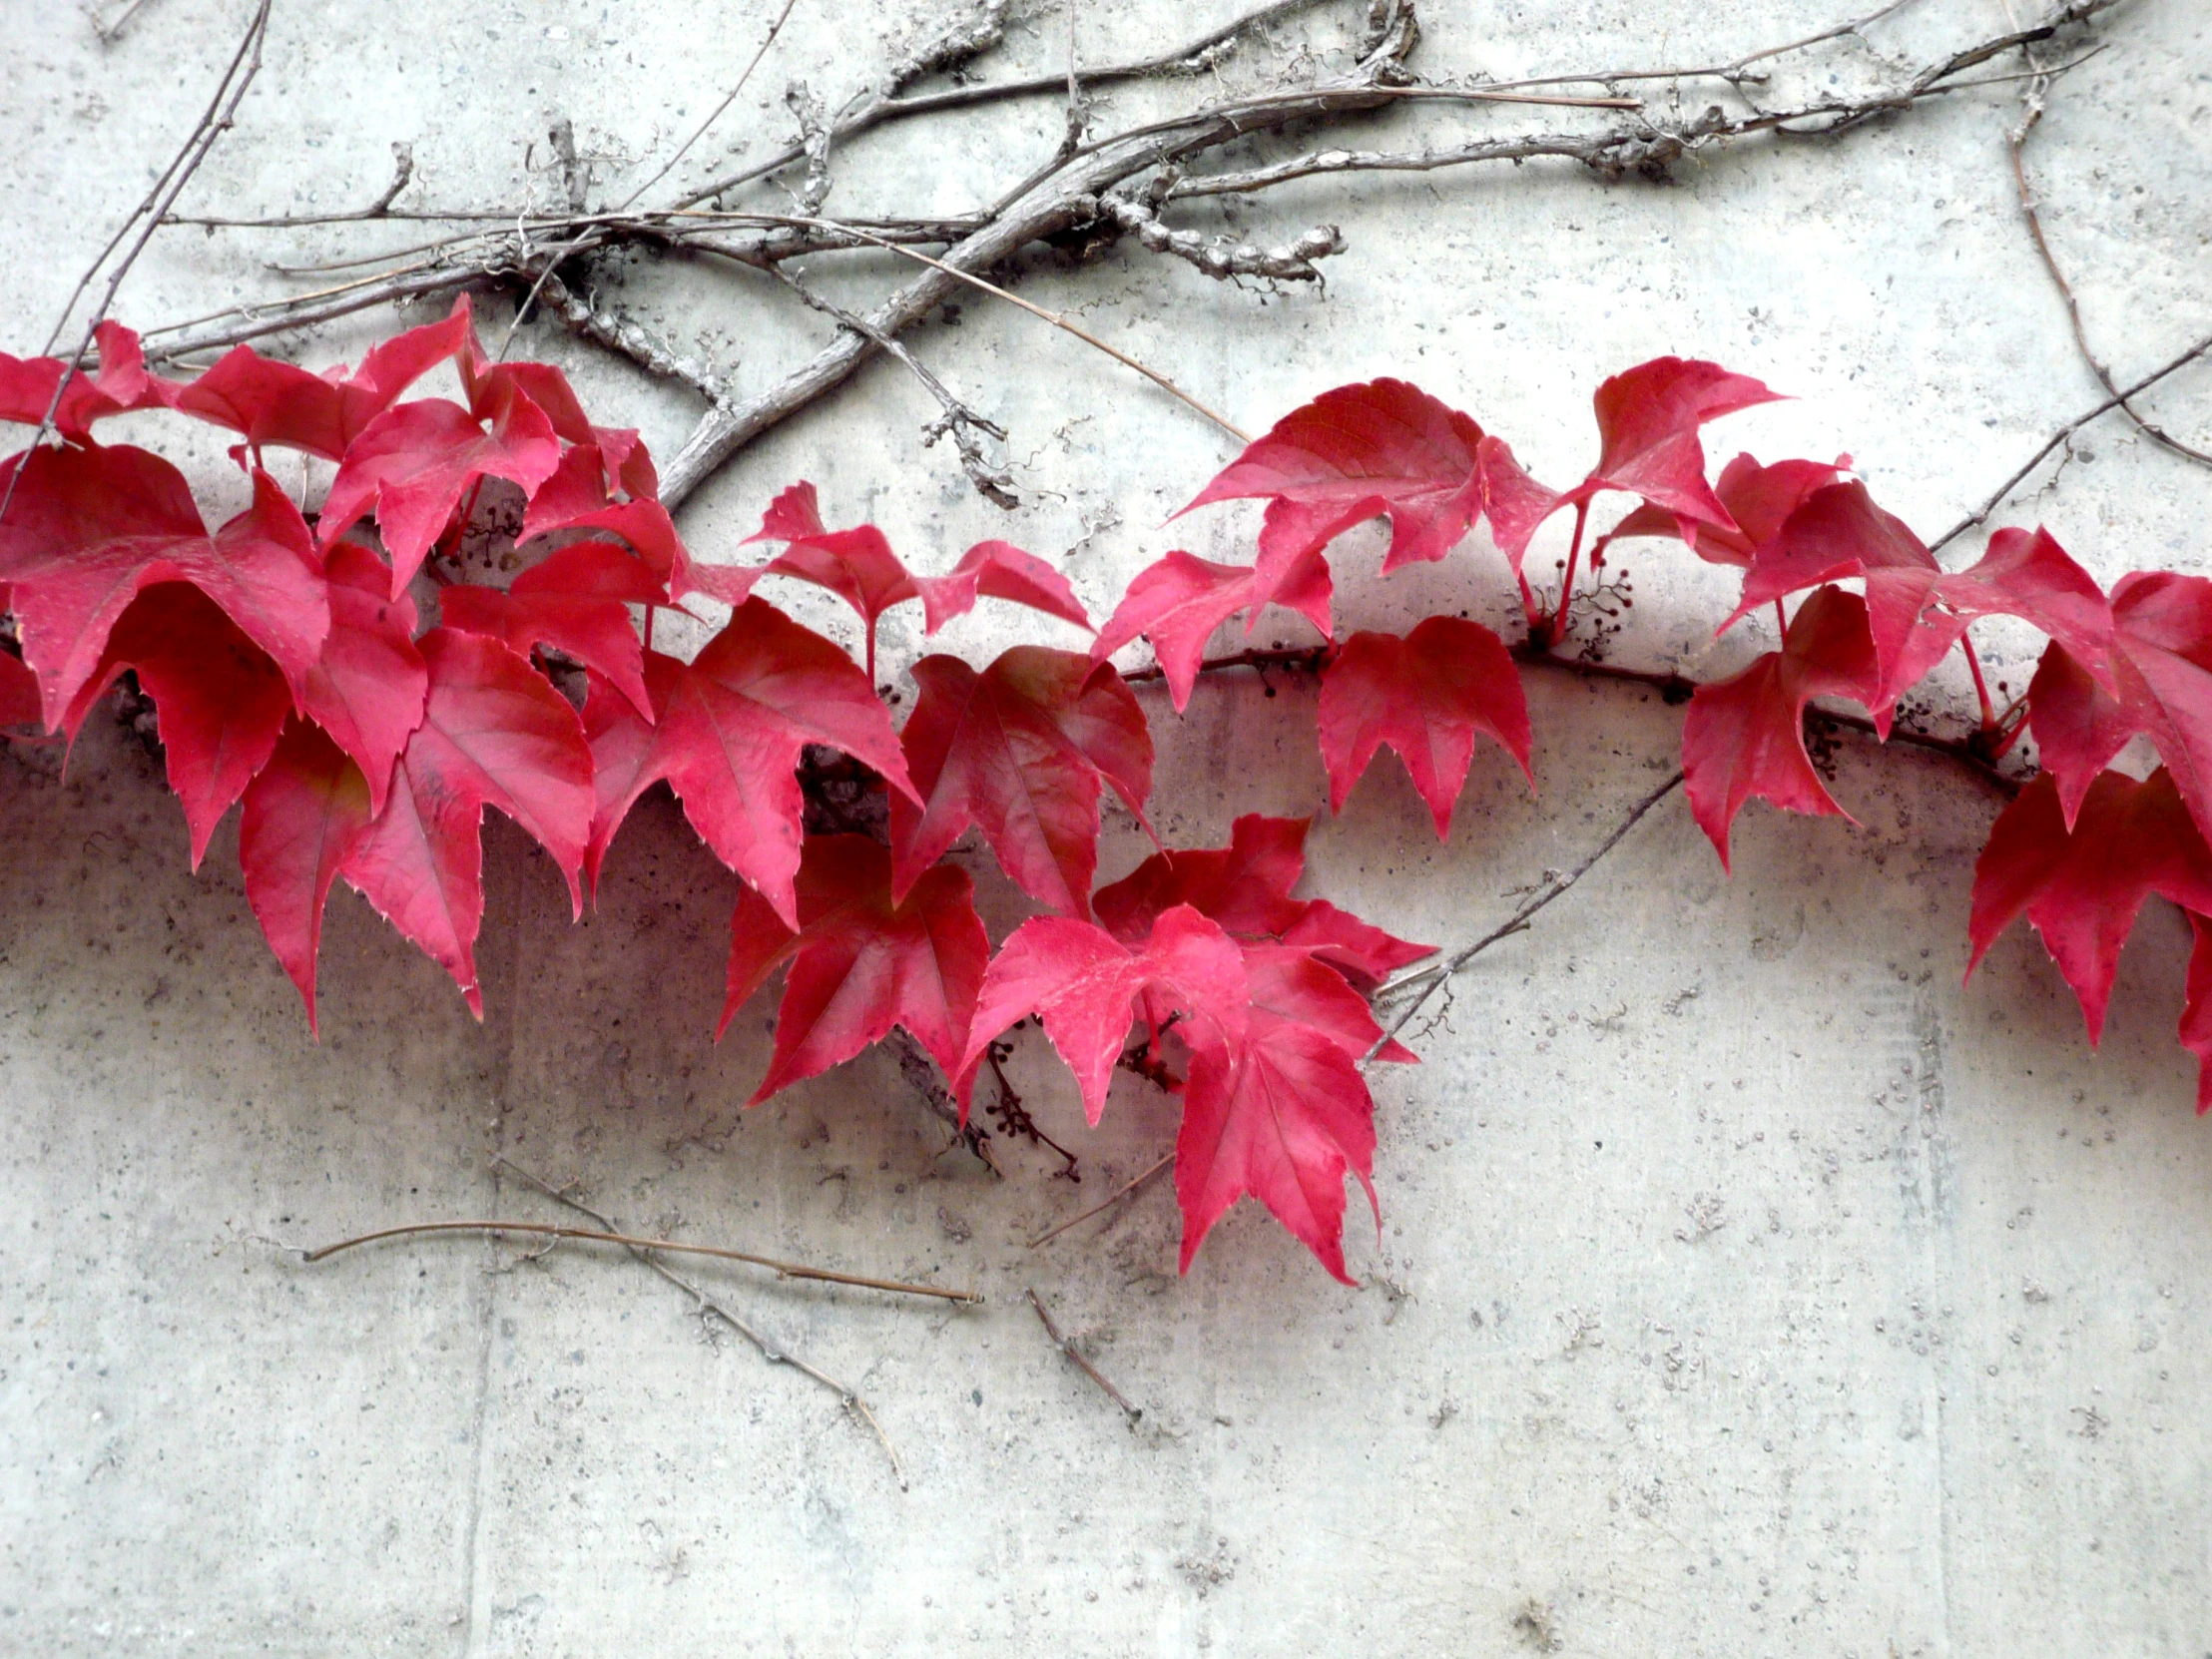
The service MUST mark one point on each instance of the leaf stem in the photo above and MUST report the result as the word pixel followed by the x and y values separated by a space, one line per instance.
pixel 1981 686
pixel 1558 629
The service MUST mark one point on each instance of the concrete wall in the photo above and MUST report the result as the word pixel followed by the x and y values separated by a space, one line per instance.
pixel 1745 1285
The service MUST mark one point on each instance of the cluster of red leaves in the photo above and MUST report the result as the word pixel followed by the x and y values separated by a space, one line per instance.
pixel 291 670
pixel 2077 852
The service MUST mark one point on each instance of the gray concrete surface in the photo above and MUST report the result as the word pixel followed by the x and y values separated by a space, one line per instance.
pixel 1745 1286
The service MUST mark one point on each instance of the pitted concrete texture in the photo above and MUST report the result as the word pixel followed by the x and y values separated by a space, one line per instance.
pixel 1745 1286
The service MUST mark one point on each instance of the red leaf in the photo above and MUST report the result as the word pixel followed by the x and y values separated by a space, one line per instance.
pixel 304 813
pixel 1245 887
pixel 1917 612
pixel 494 733
pixel 1427 696
pixel 1746 735
pixel 997 570
pixel 1516 504
pixel 219 701
pixel 1759 498
pixel 1020 750
pixel 1648 420
pixel 121 384
pixel 412 464
pixel 859 566
pixel 576 600
pixel 1360 950
pixel 2081 887
pixel 1289 984
pixel 368 687
pixel 2079 725
pixel 1083 983
pixel 1281 1115
pixel 1359 451
pixel 89 527
pixel 277 404
pixel 859 964
pixel 727 734
pixel 1176 604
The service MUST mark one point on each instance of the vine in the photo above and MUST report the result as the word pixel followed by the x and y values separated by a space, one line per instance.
pixel 362 693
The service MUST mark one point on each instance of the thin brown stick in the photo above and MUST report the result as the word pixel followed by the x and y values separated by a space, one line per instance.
pixel 1059 319
pixel 1997 496
pixel 1432 979
pixel 2017 143
pixel 879 111
pixel 1074 1356
pixel 1107 1203
pixel 715 115
pixel 705 1304
pixel 783 1269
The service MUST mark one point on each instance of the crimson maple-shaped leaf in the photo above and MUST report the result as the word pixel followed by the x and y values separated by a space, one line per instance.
pixel 1246 888
pixel 1083 986
pixel 280 404
pixel 1280 1114
pixel 997 570
pixel 1362 953
pixel 727 732
pixel 494 733
pixel 1647 419
pixel 2079 725
pixel 1427 696
pixel 89 527
pixel 1179 600
pixel 618 451
pixel 1020 750
pixel 367 685
pixel 1758 498
pixel 859 962
pixel 2081 888
pixel 2160 669
pixel 220 703
pixel 576 600
pixel 1745 735
pixel 412 464
pixel 304 813
pixel 859 566
pixel 119 384
pixel 590 490
pixel 1915 610
pixel 1355 453
pixel 1279 1111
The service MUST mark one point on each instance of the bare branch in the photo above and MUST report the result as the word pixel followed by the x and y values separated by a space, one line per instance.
pixel 625 336
pixel 782 1269
pixel 1997 496
pixel 1220 258
pixel 958 419
pixel 728 98
pixel 1074 1356
pixel 1432 979
pixel 708 1306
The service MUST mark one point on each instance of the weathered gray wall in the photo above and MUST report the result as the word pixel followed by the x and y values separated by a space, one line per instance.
pixel 1758 1289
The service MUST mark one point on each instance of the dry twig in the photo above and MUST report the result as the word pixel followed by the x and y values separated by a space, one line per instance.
pixel 707 1306
pixel 1075 1358
pixel 1107 1203
pixel 782 1269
